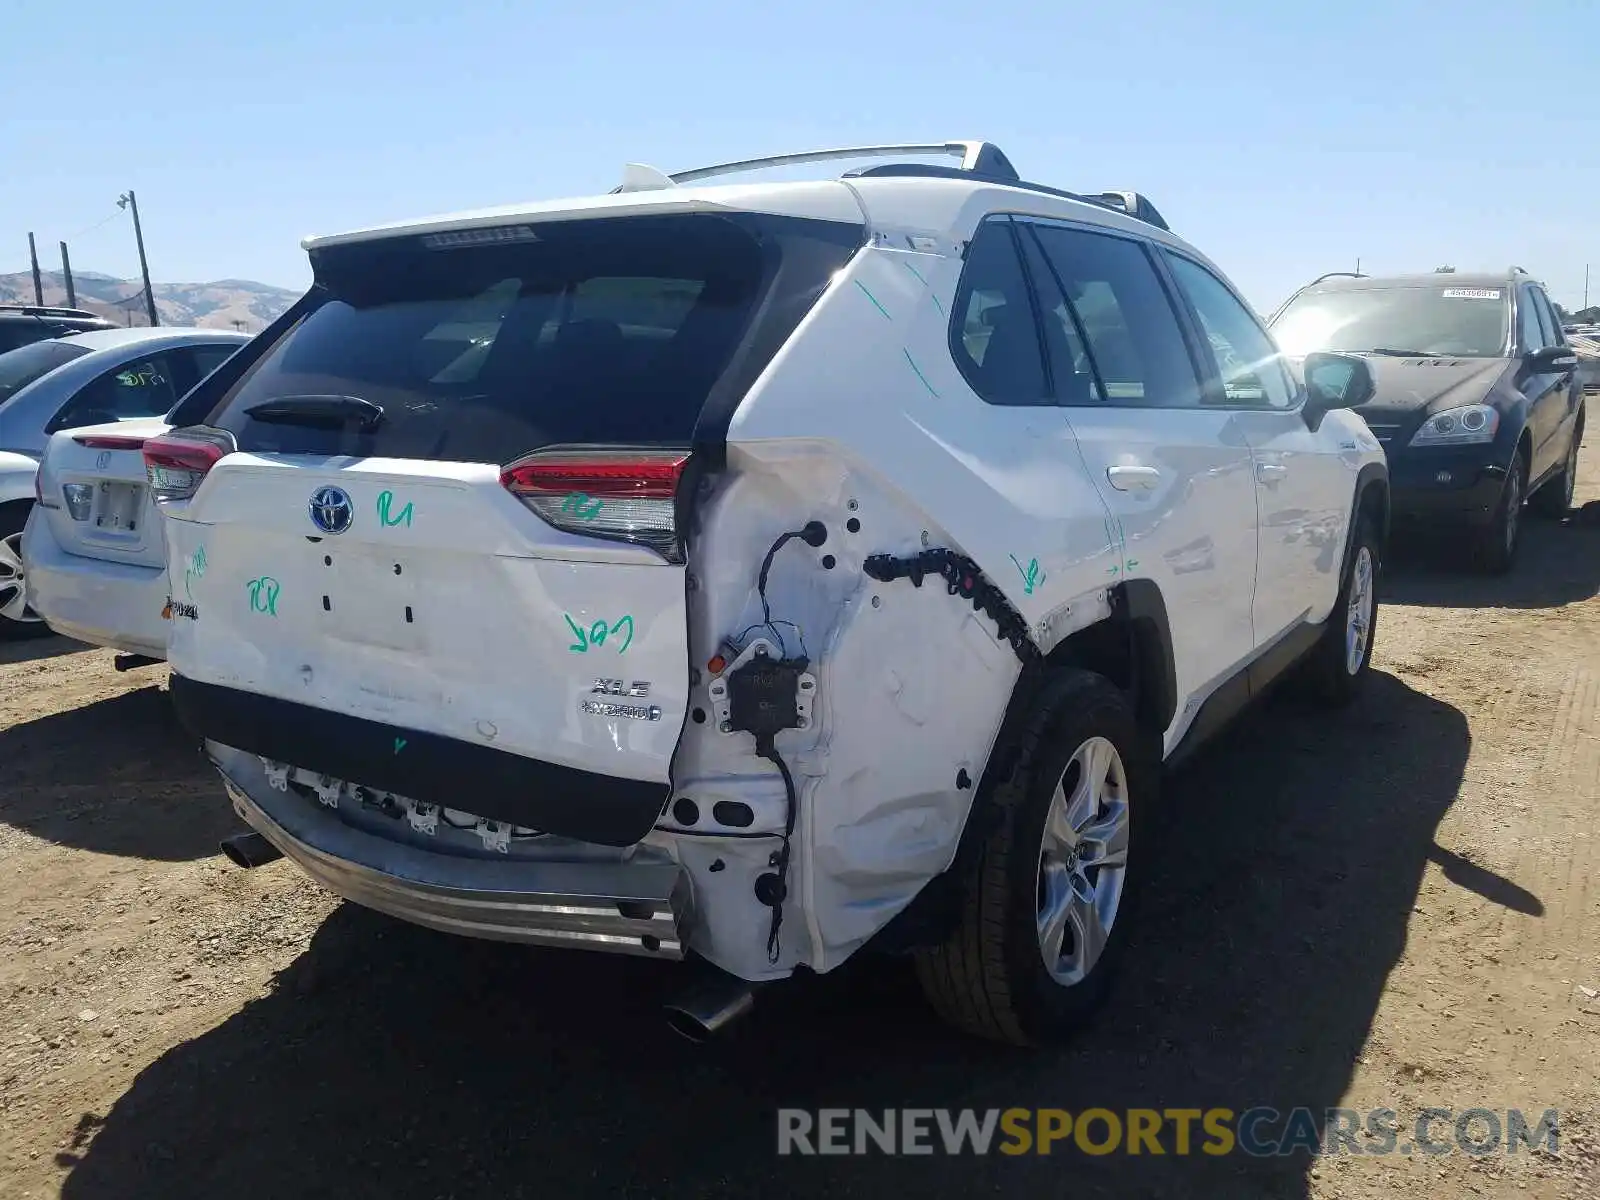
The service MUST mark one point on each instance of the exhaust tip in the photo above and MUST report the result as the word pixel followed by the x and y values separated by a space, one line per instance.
pixel 702 1013
pixel 249 850
pixel 132 662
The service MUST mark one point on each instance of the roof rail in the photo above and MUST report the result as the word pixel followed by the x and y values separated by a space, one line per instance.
pixel 48 310
pixel 979 158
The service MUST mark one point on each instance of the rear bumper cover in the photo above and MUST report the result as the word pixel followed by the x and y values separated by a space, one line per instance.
pixel 625 907
pixel 94 600
pixel 565 801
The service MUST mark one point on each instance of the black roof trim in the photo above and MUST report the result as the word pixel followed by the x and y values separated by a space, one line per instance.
pixel 47 310
pixel 1130 204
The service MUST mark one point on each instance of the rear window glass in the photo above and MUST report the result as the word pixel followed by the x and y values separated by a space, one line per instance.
pixel 598 331
pixel 19 368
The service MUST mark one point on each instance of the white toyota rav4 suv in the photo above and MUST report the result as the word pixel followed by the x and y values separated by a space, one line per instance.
pixel 760 572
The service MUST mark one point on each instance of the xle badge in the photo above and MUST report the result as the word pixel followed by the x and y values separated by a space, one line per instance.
pixel 616 687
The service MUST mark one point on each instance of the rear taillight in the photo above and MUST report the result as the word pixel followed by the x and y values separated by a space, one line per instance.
pixel 622 495
pixel 176 462
pixel 109 442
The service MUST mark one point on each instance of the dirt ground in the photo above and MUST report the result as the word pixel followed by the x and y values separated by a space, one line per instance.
pixel 1396 906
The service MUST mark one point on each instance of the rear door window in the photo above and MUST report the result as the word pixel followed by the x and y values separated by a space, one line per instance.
pixel 1132 331
pixel 598 331
pixel 19 368
pixel 141 387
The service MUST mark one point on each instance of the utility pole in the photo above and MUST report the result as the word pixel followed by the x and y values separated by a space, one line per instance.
pixel 38 284
pixel 127 200
pixel 1586 285
pixel 1358 265
pixel 66 271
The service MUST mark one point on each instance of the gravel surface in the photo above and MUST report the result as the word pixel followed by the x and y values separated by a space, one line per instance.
pixel 1395 906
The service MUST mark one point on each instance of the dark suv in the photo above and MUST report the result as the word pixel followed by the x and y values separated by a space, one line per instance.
pixel 24 324
pixel 1478 403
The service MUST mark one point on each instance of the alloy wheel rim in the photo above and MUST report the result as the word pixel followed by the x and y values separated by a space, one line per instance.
pixel 1083 861
pixel 1358 612
pixel 13 583
pixel 1513 505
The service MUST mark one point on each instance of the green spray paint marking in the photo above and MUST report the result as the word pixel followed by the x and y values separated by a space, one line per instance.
pixel 873 298
pixel 582 505
pixel 918 370
pixel 922 279
pixel 194 567
pixel 264 595
pixel 399 745
pixel 597 634
pixel 1031 576
pixel 385 500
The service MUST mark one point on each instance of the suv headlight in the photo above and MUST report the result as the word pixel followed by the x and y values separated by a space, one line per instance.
pixel 1468 425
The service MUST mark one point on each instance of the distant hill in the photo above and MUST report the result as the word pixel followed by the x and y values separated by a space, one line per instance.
pixel 223 304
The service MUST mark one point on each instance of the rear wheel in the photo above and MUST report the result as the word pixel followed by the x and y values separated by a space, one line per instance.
pixel 1497 542
pixel 17 620
pixel 1046 901
pixel 1554 498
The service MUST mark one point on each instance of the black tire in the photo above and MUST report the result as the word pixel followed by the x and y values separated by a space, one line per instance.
pixel 1554 497
pixel 12 519
pixel 1334 680
pixel 989 977
pixel 1497 542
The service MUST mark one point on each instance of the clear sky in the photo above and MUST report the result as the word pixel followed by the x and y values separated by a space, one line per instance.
pixel 1283 139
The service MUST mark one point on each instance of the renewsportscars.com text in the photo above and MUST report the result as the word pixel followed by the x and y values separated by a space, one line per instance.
pixel 1259 1132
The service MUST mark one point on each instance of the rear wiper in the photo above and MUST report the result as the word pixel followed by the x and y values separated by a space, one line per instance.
pixel 319 410
pixel 1393 353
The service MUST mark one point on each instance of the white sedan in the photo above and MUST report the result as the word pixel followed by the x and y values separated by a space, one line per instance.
pixel 92 546
pixel 96 559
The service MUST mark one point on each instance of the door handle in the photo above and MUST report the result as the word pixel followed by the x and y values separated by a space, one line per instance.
pixel 1271 472
pixel 1133 479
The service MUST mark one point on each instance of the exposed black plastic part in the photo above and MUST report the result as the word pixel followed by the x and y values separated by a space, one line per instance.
pixel 496 785
pixel 763 696
pixel 964 578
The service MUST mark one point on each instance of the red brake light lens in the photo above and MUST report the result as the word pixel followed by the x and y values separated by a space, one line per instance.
pixel 175 463
pixel 621 495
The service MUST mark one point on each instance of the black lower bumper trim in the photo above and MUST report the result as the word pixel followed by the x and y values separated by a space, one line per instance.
pixel 425 766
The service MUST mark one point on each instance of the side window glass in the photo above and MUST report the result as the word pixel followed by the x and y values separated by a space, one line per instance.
pixel 208 358
pixel 141 387
pixel 1248 364
pixel 1528 326
pixel 1131 333
pixel 993 336
pixel 1547 320
pixel 1071 364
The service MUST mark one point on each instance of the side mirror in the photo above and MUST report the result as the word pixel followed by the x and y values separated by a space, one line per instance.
pixel 1334 381
pixel 1551 358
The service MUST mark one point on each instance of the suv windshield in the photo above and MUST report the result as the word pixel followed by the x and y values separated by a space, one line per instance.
pixel 478 350
pixel 1466 322
pixel 19 368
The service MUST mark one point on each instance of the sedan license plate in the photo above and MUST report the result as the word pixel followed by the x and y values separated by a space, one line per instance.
pixel 118 507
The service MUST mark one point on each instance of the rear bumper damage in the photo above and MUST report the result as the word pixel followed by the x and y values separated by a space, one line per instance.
pixel 634 905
